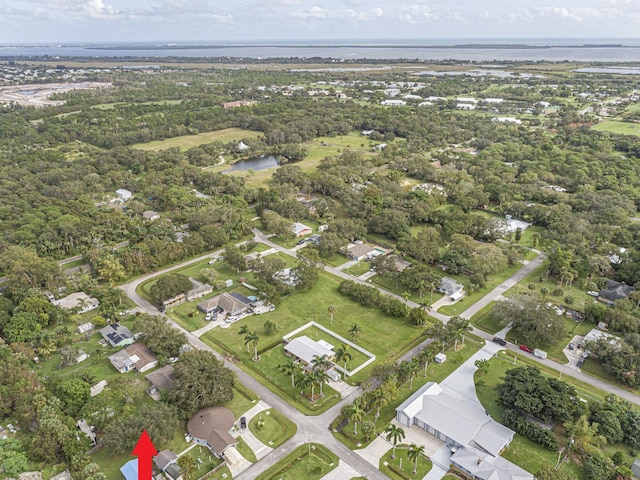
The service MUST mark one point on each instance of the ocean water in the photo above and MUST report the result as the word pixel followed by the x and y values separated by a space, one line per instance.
pixel 483 50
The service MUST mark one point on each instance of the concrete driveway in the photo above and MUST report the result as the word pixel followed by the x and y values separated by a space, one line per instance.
pixel 342 472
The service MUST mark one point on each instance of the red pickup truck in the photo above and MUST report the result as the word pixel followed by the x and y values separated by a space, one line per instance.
pixel 526 349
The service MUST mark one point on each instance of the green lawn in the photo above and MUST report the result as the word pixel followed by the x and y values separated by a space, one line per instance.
pixel 359 268
pixel 615 126
pixel 486 321
pixel 308 462
pixel 401 467
pixel 470 298
pixel 186 142
pixel 391 286
pixel 276 430
pixel 245 450
pixel 302 307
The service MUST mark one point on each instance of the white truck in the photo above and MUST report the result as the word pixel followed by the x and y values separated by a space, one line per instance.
pixel 540 353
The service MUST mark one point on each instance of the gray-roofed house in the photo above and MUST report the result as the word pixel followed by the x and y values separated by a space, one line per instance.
pixel 161 380
pixel 363 251
pixel 134 357
pixel 230 303
pixel 481 466
pixel 151 215
pixel 117 335
pixel 450 287
pixel 300 229
pixel 635 468
pixel 614 291
pixel 210 427
pixel 305 349
pixel 165 461
pixel 456 421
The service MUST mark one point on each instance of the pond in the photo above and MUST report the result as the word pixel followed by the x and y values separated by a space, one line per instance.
pixel 256 163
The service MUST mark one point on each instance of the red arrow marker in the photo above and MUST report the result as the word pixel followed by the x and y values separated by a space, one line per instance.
pixel 145 451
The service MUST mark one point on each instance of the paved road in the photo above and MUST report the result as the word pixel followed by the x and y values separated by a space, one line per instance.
pixel 315 429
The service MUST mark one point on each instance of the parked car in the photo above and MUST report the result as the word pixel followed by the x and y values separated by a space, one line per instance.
pixel 243 422
pixel 499 341
pixel 301 242
pixel 526 349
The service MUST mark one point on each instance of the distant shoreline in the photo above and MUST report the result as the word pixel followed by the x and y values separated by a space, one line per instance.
pixel 504 46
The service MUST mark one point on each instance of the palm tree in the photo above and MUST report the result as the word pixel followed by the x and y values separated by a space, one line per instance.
pixel 320 376
pixel 320 363
pixel 244 330
pixel 332 309
pixel 290 368
pixel 342 354
pixel 394 434
pixel 355 331
pixel 303 381
pixel 414 367
pixel 381 398
pixel 406 296
pixel 429 354
pixel 414 454
pixel 252 337
pixel 355 414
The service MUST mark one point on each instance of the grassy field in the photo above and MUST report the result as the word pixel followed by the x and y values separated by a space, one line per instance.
pixel 308 462
pixel 615 126
pixel 189 141
pixel 276 430
pixel 492 282
pixel 401 467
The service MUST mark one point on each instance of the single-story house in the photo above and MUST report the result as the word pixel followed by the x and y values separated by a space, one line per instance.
pixel 230 303
pixel 151 215
pixel 512 225
pixel 124 194
pixel 165 461
pixel 199 290
pixel 481 466
pixel 450 287
pixel 363 251
pixel 454 419
pixel 129 470
pixel 117 335
pixel 80 300
pixel 300 229
pixel 305 349
pixel 210 427
pixel 614 291
pixel 136 356
pixel 161 380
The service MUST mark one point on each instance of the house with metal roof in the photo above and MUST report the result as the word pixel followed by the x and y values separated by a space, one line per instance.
pixel 129 470
pixel 300 229
pixel 481 466
pixel 117 335
pixel 454 419
pixel 305 349
pixel 80 300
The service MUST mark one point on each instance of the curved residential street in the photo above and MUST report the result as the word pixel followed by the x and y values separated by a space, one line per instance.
pixel 316 428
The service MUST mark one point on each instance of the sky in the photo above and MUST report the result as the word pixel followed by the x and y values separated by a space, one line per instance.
pixel 209 21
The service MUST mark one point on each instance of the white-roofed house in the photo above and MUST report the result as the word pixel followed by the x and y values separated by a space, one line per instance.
pixel 80 300
pixel 305 349
pixel 454 420
pixel 124 194
pixel 300 229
